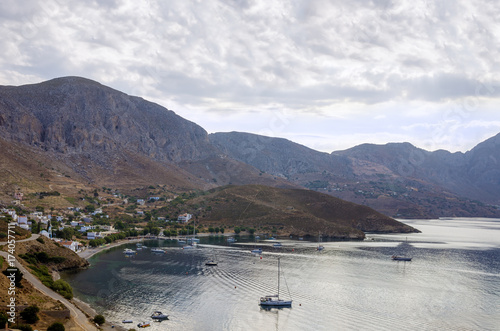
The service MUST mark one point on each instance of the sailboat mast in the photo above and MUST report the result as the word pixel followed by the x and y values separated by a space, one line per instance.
pixel 278 278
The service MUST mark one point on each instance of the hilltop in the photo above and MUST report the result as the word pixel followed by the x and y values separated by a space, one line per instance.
pixel 290 212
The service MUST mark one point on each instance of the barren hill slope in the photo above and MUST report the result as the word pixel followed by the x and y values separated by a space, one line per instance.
pixel 295 212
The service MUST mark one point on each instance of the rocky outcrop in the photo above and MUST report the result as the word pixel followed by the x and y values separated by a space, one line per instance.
pixel 77 115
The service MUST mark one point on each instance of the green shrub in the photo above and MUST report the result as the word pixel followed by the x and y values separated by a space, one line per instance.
pixel 22 327
pixel 63 288
pixel 56 327
pixel 99 319
pixel 40 240
pixel 29 314
pixel 18 276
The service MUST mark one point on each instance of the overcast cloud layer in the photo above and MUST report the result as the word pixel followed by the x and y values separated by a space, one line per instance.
pixel 326 74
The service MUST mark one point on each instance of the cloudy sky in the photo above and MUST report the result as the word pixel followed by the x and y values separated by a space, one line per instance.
pixel 326 74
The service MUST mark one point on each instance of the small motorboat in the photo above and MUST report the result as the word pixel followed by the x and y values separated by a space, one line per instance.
pixel 157 250
pixel 257 251
pixel 320 247
pixel 277 245
pixel 143 324
pixel 127 321
pixel 129 251
pixel 158 315
pixel 211 263
pixel 400 258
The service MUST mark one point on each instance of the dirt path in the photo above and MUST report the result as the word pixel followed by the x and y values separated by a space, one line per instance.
pixel 80 319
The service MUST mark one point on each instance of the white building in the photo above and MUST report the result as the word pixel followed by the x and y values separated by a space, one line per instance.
pixel 184 218
pixel 22 222
pixel 73 245
pixel 94 235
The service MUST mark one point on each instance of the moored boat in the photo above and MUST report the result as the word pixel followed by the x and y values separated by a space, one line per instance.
pixel 157 250
pixel 127 321
pixel 158 315
pixel 257 251
pixel 270 301
pixel 400 258
pixel 129 251
pixel 143 324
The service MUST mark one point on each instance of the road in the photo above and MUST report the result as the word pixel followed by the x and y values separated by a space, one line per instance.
pixel 78 316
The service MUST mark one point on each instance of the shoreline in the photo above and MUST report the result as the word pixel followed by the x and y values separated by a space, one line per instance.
pixel 85 307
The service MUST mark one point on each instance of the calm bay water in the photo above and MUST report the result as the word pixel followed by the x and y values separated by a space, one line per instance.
pixel 453 282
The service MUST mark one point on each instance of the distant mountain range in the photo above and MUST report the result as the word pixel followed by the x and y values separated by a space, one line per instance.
pixel 72 132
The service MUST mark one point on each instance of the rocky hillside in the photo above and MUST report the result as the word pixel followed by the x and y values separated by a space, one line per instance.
pixel 295 212
pixel 70 134
pixel 78 129
pixel 396 179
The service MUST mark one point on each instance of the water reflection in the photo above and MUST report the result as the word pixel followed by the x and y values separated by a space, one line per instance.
pixel 453 282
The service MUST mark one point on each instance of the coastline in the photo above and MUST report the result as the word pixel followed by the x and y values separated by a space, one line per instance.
pixel 86 308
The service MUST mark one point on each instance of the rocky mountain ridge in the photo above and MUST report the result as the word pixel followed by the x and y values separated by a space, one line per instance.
pixel 71 132
pixel 104 136
pixel 397 179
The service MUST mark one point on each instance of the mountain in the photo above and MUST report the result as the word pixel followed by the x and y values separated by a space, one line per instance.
pixel 397 179
pixel 75 128
pixel 290 212
pixel 73 134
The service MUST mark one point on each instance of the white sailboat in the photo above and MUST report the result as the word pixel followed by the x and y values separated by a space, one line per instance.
pixel 191 241
pixel 320 247
pixel 274 300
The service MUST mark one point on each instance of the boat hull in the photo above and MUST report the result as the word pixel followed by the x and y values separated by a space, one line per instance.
pixel 401 258
pixel 276 303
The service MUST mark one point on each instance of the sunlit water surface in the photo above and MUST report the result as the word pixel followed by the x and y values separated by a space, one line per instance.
pixel 452 283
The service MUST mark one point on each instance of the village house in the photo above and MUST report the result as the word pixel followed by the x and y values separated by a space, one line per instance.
pixel 94 235
pixel 141 201
pixel 107 227
pixel 73 245
pixel 86 228
pixel 184 218
pixel 22 222
pixel 45 233
pixel 97 211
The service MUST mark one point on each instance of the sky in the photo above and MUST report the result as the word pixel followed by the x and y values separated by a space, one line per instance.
pixel 325 74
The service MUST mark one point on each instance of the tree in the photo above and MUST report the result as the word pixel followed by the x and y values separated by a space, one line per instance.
pixel 237 230
pixel 119 225
pixel 99 319
pixel 22 327
pixel 3 318
pixel 63 288
pixel 56 327
pixel 18 275
pixel 68 233
pixel 29 314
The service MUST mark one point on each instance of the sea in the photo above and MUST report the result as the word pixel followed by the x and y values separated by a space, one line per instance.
pixel 451 283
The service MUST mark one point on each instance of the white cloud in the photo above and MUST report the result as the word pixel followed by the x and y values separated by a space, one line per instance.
pixel 348 64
